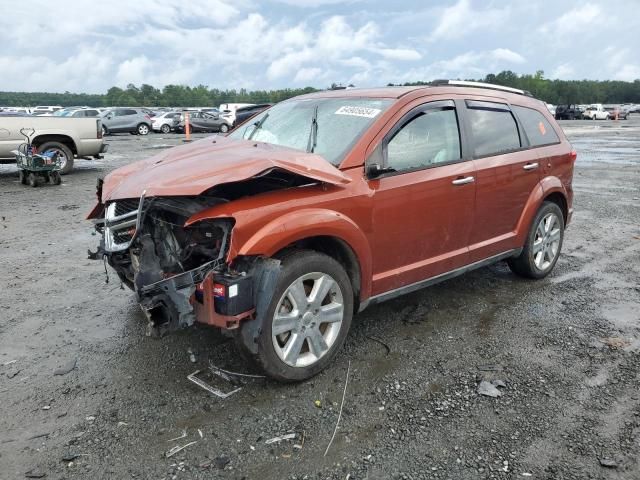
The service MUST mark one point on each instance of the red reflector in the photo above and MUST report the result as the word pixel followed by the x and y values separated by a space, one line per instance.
pixel 218 290
pixel 573 155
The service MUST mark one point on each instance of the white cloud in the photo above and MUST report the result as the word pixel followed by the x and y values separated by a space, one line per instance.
pixel 576 21
pixel 402 54
pixel 563 71
pixel 628 73
pixel 506 55
pixel 461 20
pixel 308 75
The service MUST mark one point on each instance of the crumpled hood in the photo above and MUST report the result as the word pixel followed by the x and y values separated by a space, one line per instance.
pixel 194 168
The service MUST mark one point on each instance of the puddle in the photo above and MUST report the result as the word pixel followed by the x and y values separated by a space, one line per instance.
pixel 623 316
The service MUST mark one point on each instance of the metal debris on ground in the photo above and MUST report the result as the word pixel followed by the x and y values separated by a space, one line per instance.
pixel 177 449
pixel 288 436
pixel 213 368
pixel 301 444
pixel 344 393
pixel 202 384
pixel 184 435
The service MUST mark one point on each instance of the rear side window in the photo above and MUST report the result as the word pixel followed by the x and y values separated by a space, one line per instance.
pixel 493 127
pixel 536 126
pixel 130 112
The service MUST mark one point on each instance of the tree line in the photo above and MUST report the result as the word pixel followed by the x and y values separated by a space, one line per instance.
pixel 551 91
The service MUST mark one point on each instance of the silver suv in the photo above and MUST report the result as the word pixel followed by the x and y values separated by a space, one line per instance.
pixel 132 120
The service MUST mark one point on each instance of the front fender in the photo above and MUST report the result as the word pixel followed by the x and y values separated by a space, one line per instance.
pixel 269 238
pixel 546 187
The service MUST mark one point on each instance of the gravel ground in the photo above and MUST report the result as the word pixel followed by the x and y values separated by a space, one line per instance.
pixel 566 350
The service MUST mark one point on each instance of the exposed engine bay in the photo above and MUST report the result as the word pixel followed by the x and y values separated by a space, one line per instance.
pixel 179 272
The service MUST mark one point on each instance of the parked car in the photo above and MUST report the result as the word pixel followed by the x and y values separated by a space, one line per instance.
pixel 595 112
pixel 332 202
pixel 552 109
pixel 244 113
pixel 228 111
pixel 132 120
pixel 40 109
pixel 79 112
pixel 204 122
pixel 165 122
pixel 568 112
pixel 616 112
pixel 69 137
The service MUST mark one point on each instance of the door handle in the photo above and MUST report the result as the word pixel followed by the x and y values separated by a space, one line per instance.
pixel 531 166
pixel 463 181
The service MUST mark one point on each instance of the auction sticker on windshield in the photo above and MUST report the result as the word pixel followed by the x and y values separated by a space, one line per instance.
pixel 358 111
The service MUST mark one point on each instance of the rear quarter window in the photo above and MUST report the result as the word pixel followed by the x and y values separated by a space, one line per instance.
pixel 537 128
pixel 493 127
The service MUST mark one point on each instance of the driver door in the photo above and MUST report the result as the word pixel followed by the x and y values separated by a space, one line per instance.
pixel 423 205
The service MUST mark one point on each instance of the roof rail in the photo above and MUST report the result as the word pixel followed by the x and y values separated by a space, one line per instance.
pixel 490 86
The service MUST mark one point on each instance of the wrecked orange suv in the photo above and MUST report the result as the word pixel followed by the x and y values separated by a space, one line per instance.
pixel 331 202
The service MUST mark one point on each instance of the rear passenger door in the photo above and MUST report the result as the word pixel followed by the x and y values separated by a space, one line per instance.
pixel 506 174
pixel 423 205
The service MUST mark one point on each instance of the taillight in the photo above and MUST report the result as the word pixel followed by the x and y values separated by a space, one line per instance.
pixel 573 155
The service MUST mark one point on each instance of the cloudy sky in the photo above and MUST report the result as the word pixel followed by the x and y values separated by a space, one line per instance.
pixel 89 46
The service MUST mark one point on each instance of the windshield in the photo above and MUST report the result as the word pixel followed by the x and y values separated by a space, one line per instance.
pixel 338 124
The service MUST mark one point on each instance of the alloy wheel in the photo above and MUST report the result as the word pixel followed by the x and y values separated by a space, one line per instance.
pixel 307 319
pixel 546 244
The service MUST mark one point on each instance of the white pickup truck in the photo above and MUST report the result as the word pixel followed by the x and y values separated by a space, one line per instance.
pixel 70 137
pixel 596 112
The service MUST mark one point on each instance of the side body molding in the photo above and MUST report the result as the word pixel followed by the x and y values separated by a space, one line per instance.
pixel 252 236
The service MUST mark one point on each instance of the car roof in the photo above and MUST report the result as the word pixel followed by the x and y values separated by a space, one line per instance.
pixel 382 92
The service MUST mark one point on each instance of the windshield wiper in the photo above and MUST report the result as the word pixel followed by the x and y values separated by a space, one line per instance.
pixel 258 126
pixel 313 134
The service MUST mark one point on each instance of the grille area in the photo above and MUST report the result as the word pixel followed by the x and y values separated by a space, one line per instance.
pixel 120 219
pixel 126 206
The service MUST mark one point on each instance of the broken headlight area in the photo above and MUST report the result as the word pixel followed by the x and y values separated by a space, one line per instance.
pixel 178 272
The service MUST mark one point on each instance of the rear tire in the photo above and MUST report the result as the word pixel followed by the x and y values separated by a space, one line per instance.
pixel 543 245
pixel 23 177
pixel 55 178
pixel 224 128
pixel 165 128
pixel 142 129
pixel 64 154
pixel 322 324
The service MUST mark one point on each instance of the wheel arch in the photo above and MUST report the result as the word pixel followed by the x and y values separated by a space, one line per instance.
pixel 325 231
pixel 549 189
pixel 341 252
pixel 64 139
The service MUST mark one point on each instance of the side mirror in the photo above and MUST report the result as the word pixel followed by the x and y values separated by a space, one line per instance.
pixel 374 164
pixel 374 170
pixel 109 117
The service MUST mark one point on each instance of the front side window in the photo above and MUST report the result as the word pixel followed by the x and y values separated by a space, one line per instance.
pixel 326 126
pixel 430 138
pixel 493 127
pixel 538 129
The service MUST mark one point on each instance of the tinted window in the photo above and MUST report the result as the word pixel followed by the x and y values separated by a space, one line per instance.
pixel 493 127
pixel 536 126
pixel 130 112
pixel 428 139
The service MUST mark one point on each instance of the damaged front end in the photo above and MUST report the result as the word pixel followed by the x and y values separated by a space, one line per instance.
pixel 178 272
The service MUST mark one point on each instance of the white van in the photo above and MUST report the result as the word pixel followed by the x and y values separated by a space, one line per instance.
pixel 228 111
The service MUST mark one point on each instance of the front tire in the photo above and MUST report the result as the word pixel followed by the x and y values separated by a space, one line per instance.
pixel 32 179
pixel 65 155
pixel 543 244
pixel 307 320
pixel 23 177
